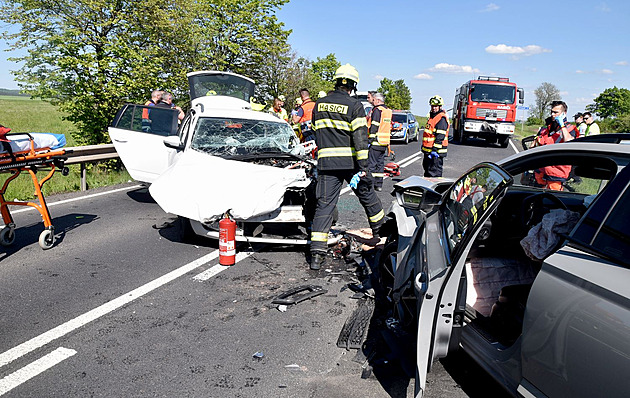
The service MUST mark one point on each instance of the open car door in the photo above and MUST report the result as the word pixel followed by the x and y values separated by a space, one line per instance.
pixel 449 232
pixel 138 134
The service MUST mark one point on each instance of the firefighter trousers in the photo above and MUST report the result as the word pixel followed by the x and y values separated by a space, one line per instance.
pixel 376 164
pixel 432 167
pixel 329 183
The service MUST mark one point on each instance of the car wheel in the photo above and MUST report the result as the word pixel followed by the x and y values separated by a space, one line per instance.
pixel 457 135
pixel 407 137
pixel 504 141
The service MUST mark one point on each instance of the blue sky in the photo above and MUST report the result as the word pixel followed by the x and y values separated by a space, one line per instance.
pixel 582 47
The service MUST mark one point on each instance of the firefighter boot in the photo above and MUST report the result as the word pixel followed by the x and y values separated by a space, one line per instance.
pixel 317 260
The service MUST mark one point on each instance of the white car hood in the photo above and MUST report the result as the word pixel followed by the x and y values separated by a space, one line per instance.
pixel 202 187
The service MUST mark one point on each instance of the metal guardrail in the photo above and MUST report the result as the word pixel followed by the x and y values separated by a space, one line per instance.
pixel 88 154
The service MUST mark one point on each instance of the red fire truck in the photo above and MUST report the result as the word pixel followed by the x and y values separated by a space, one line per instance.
pixel 486 108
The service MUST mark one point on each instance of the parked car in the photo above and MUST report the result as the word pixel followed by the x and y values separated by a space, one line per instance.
pixel 223 158
pixel 404 126
pixel 533 284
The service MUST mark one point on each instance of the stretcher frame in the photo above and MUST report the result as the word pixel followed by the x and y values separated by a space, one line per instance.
pixel 30 161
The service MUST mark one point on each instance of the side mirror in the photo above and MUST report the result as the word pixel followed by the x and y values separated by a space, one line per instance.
pixel 521 96
pixel 173 142
pixel 419 198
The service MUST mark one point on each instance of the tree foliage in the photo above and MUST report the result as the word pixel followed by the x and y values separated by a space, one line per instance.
pixel 397 94
pixel 90 56
pixel 612 103
pixel 545 94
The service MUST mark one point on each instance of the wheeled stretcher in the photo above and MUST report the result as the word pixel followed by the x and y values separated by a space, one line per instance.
pixel 30 153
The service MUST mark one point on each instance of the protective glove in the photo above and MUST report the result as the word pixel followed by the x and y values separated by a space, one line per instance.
pixel 433 155
pixel 561 120
pixel 354 181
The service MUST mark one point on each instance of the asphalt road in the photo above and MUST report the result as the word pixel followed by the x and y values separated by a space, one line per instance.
pixel 121 308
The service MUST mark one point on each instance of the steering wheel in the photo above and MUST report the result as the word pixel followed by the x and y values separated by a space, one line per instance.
pixel 533 208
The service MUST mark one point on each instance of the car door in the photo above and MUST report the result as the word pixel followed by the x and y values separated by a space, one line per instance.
pixel 439 261
pixel 576 331
pixel 413 127
pixel 138 134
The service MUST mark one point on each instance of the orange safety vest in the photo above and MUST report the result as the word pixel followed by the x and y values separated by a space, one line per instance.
pixel 307 108
pixel 428 136
pixel 382 136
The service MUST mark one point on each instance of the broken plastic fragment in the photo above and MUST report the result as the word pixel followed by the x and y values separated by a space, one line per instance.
pixel 258 355
pixel 293 366
pixel 282 308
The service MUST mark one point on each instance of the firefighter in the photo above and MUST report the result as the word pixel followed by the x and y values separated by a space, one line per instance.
pixel 379 131
pixel 304 115
pixel 435 139
pixel 341 134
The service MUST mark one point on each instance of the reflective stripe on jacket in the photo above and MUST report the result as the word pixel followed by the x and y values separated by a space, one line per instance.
pixel 380 126
pixel 434 139
pixel 341 132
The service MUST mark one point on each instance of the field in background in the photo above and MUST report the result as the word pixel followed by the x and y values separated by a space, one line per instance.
pixel 23 114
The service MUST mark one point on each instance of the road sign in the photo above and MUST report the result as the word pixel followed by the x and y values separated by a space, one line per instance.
pixel 523 108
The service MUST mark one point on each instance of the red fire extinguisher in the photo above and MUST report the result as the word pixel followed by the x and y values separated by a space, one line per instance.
pixel 227 240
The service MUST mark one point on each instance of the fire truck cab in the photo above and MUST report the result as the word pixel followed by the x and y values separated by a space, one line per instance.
pixel 486 108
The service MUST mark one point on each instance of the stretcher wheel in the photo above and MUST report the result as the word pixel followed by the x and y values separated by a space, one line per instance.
pixel 7 236
pixel 46 239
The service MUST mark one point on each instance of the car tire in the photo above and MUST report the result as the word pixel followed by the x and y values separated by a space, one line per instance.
pixel 407 137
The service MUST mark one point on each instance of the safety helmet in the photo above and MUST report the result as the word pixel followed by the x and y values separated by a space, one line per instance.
pixel 211 92
pixel 282 98
pixel 436 100
pixel 321 94
pixel 298 101
pixel 348 72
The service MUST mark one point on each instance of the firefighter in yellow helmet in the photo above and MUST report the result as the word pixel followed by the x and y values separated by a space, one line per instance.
pixel 435 138
pixel 341 135
pixel 379 132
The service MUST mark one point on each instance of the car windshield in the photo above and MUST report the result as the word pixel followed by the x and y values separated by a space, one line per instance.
pixel 496 93
pixel 235 137
pixel 399 118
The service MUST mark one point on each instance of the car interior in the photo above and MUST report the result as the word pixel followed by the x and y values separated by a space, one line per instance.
pixel 499 273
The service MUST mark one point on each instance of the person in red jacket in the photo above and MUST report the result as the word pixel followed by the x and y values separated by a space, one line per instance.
pixel 558 130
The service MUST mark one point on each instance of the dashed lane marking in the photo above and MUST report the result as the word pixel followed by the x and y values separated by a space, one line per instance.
pixel 31 370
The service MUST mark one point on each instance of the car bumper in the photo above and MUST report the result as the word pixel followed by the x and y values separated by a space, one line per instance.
pixel 488 127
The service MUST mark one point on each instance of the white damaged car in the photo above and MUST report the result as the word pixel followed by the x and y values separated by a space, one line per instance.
pixel 224 157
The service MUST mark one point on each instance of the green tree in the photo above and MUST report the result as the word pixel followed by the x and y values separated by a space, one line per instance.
pixel 612 102
pixel 397 94
pixel 545 94
pixel 90 56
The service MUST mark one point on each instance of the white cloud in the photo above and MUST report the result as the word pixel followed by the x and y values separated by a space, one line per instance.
pixel 583 100
pixel 606 71
pixel 378 77
pixel 490 7
pixel 448 68
pixel 564 93
pixel 598 71
pixel 580 71
pixel 516 50
pixel 622 63
pixel 423 76
pixel 604 7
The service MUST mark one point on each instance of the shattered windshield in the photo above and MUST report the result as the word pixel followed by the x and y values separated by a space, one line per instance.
pixel 496 93
pixel 235 137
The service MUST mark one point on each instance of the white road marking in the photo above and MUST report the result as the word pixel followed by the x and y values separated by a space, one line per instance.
pixel 209 273
pixel 79 198
pixel 73 324
pixel 31 370
pixel 514 147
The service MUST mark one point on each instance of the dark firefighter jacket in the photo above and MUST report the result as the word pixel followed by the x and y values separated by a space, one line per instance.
pixel 341 132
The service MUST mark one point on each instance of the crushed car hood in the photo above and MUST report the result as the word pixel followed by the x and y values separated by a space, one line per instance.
pixel 202 187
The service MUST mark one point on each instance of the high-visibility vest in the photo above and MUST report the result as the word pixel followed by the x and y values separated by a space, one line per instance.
pixel 307 114
pixel 382 135
pixel 428 136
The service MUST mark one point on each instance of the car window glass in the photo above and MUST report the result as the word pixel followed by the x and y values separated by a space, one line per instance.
pixel 613 238
pixel 232 137
pixel 559 176
pixel 399 118
pixel 467 200
pixel 147 119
